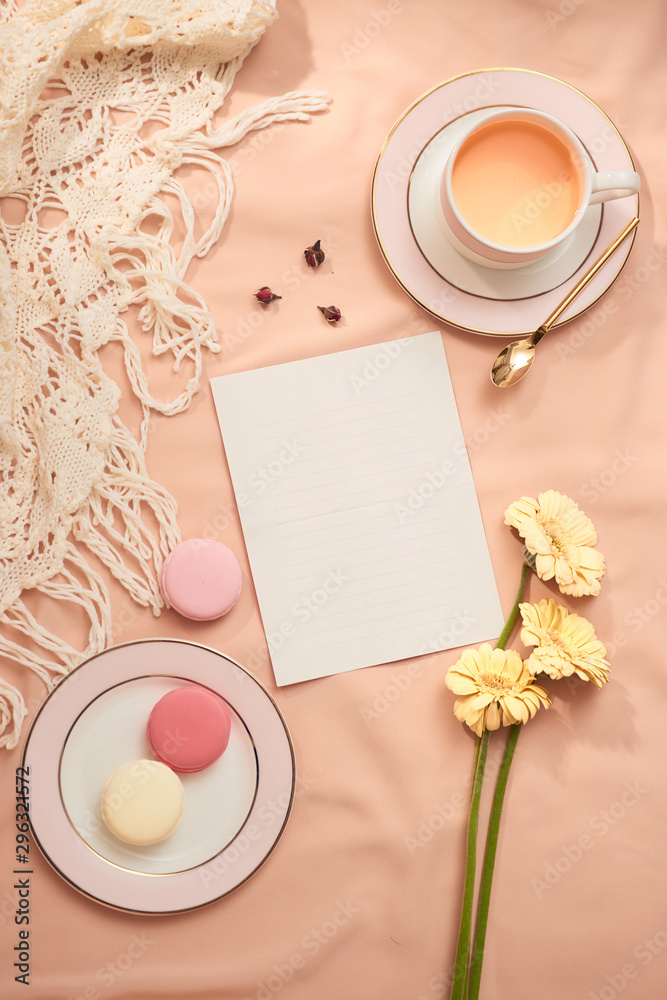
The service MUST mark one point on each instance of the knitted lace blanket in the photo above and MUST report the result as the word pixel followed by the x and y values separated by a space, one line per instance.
pixel 100 102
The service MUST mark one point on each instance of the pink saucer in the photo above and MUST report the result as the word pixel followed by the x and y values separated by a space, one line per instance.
pixel 189 728
pixel 201 579
pixel 417 256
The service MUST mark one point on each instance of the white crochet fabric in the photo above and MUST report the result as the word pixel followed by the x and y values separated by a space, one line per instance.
pixel 100 101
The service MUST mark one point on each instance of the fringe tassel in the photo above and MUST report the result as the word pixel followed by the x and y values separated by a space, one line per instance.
pixel 141 269
pixel 12 713
pixel 78 584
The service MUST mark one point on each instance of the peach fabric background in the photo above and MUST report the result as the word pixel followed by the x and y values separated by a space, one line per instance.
pixel 363 912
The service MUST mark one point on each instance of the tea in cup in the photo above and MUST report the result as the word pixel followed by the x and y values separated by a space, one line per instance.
pixel 517 184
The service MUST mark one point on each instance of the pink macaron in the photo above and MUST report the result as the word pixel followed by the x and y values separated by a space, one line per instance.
pixel 189 728
pixel 201 579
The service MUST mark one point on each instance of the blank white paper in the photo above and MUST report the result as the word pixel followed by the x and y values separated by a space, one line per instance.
pixel 358 508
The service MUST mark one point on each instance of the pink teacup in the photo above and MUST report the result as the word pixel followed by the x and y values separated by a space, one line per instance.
pixel 517 184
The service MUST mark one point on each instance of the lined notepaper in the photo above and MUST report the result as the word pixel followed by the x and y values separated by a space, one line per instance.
pixel 358 508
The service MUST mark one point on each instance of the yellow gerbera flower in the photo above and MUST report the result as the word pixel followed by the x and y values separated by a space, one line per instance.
pixel 561 538
pixel 565 644
pixel 495 687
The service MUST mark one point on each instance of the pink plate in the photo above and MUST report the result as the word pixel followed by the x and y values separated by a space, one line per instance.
pixel 455 294
pixel 235 811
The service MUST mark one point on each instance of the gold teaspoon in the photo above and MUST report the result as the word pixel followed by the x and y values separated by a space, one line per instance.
pixel 515 359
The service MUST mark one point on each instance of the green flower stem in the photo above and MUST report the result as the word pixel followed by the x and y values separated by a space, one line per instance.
pixel 514 613
pixel 488 865
pixel 462 966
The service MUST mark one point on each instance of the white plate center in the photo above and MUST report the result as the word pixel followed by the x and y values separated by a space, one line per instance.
pixel 112 732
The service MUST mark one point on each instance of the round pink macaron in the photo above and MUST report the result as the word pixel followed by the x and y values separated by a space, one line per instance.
pixel 189 728
pixel 201 579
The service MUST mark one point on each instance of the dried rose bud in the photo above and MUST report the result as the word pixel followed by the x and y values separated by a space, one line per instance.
pixel 314 255
pixel 265 295
pixel 330 313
